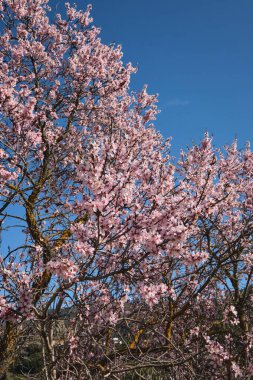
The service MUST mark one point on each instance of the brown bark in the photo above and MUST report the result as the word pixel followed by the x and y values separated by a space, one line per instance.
pixel 8 348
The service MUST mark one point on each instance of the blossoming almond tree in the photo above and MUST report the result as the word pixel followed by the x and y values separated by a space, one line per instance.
pixel 189 312
pixel 151 262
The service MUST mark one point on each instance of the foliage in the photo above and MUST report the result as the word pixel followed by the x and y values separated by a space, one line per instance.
pixel 30 361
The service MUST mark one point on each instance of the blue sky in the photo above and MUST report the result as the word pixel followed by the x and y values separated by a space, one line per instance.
pixel 197 54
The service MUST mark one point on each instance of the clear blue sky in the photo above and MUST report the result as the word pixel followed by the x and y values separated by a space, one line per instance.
pixel 197 54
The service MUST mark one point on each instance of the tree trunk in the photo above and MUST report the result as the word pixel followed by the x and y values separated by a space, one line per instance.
pixel 8 348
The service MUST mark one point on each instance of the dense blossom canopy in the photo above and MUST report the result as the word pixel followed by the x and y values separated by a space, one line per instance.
pixel 140 250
